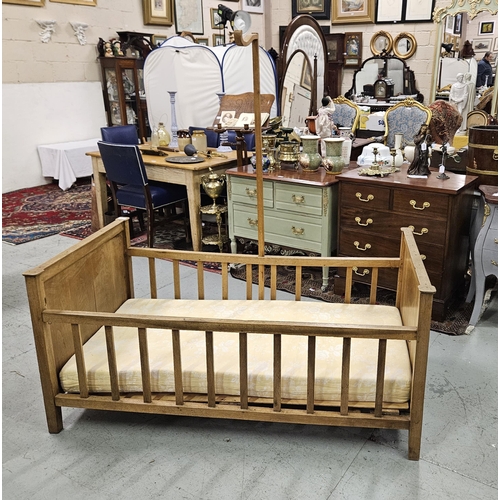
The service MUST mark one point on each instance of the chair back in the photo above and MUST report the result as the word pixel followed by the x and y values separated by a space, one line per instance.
pixel 120 134
pixel 405 118
pixel 123 163
pixel 346 113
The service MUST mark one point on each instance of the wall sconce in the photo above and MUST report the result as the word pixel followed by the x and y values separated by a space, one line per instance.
pixel 79 29
pixel 48 27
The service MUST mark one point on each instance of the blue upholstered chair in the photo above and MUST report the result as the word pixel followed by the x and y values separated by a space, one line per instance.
pixel 405 118
pixel 130 187
pixel 120 134
pixel 346 113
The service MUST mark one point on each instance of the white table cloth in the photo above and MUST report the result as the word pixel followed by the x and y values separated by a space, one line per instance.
pixel 67 161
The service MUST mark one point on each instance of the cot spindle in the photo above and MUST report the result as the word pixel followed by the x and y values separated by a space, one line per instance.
pixel 344 387
pixel 311 367
pixel 177 279
pixel 379 394
pixel 80 361
pixel 113 369
pixel 176 347
pixel 277 372
pixel 201 280
pixel 374 283
pixel 244 371
pixel 152 278
pixel 209 341
pixel 298 282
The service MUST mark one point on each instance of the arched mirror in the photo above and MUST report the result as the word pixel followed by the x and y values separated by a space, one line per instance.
pixel 296 89
pixel 404 45
pixel 381 43
pixel 460 16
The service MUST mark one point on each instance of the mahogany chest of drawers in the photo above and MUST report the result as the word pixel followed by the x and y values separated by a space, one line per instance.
pixel 373 209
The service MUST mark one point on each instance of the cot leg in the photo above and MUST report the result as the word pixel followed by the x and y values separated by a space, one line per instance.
pixel 414 439
pixel 54 418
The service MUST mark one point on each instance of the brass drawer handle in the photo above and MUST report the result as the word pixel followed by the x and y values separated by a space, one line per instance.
pixel 253 222
pixel 364 273
pixel 297 199
pixel 495 240
pixel 300 230
pixel 494 262
pixel 424 206
pixel 368 221
pixel 251 192
pixel 424 230
pixel 368 198
pixel 367 246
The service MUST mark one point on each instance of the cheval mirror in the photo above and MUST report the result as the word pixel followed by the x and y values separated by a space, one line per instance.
pixel 302 65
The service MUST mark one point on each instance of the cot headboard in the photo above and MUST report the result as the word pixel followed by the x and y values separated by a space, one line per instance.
pixel 81 276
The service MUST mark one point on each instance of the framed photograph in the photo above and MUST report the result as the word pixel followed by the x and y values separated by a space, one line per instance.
pixel 495 44
pixel 389 12
pixel 157 40
pixel 202 41
pixel 449 24
pixel 216 21
pixel 419 10
pixel 319 9
pixel 487 28
pixel 482 44
pixel 352 11
pixel 457 28
pixel 217 40
pixel 91 3
pixel 33 3
pixel 352 49
pixel 305 77
pixel 188 16
pixel 157 12
pixel 255 6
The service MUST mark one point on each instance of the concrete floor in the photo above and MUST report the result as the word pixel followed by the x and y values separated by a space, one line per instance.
pixel 106 455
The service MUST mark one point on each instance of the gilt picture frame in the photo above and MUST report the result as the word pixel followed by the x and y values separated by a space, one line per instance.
pixel 216 21
pixel 90 3
pixel 157 12
pixel 32 3
pixel 319 9
pixel 353 11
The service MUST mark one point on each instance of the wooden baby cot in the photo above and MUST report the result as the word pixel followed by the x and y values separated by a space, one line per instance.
pixel 83 308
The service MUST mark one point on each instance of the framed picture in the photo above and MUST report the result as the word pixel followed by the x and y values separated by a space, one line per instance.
pixel 92 3
pixel 352 49
pixel 449 24
pixel 216 21
pixel 487 28
pixel 495 44
pixel 352 11
pixel 188 16
pixel 202 41
pixel 482 44
pixel 157 12
pixel 457 28
pixel 157 40
pixel 389 12
pixel 306 77
pixel 419 10
pixel 319 9
pixel 255 6
pixel 218 40
pixel 33 3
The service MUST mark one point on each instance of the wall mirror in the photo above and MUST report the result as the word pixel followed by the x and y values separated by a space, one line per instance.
pixel 442 17
pixel 296 90
pixel 404 45
pixel 381 43
pixel 385 67
pixel 305 34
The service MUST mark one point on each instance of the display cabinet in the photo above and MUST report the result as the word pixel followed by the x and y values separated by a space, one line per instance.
pixel 123 93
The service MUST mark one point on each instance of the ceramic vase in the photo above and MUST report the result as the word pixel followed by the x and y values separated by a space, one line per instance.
pixel 309 158
pixel 333 162
pixel 409 152
pixel 345 132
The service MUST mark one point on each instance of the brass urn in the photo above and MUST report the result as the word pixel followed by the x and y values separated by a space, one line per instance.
pixel 213 184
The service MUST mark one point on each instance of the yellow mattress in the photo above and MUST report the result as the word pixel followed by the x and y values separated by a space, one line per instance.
pixel 260 352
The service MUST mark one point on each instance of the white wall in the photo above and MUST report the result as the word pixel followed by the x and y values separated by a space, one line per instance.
pixel 44 113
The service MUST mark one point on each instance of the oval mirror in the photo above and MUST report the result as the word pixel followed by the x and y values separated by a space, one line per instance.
pixel 296 90
pixel 405 45
pixel 381 42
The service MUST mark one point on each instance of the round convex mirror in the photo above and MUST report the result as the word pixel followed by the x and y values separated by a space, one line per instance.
pixel 405 45
pixel 381 42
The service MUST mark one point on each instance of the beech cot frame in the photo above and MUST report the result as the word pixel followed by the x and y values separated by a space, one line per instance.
pixel 78 291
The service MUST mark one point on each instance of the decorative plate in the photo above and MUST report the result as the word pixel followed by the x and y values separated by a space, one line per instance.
pixel 184 159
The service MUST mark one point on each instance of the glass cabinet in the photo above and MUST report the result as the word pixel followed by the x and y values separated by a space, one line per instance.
pixel 123 92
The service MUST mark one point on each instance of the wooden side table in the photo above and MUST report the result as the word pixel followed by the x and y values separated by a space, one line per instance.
pixel 485 249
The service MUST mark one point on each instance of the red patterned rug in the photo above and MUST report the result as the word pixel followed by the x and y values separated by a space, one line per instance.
pixel 34 213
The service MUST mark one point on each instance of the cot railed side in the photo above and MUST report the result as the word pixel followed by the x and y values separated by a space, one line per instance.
pixel 414 297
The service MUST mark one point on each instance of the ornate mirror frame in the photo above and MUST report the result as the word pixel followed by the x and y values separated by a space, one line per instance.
pixel 412 49
pixel 472 8
pixel 373 42
pixel 305 33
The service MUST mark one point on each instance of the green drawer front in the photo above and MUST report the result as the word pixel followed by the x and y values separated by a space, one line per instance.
pixel 245 191
pixel 298 198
